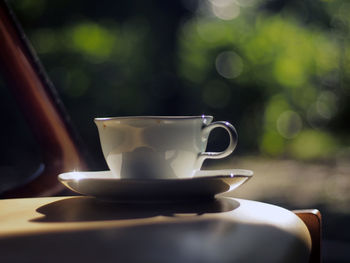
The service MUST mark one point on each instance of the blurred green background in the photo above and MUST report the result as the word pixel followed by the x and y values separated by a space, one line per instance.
pixel 278 70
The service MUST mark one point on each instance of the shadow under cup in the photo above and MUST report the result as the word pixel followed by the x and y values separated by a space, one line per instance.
pixel 158 147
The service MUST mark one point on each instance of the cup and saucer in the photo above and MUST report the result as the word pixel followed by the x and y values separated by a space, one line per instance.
pixel 157 159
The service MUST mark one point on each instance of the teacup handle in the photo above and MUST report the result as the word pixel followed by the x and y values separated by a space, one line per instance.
pixel 232 145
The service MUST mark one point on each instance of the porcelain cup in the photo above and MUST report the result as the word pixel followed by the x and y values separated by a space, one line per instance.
pixel 159 147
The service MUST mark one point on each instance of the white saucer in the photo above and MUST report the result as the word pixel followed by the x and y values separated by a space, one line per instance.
pixel 206 184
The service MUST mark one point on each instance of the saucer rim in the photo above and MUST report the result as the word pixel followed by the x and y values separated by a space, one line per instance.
pixel 248 174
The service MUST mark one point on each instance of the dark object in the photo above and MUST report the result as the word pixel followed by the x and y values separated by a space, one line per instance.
pixel 313 221
pixel 42 108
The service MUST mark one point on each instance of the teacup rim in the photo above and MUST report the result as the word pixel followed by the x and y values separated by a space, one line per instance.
pixel 150 117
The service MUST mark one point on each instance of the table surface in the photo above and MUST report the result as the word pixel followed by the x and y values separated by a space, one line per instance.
pixel 79 228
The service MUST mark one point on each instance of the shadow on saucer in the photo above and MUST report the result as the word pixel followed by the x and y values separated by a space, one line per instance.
pixel 83 209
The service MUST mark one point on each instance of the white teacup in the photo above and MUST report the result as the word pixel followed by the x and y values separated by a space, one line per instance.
pixel 150 147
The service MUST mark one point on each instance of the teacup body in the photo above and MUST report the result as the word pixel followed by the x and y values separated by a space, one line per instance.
pixel 154 147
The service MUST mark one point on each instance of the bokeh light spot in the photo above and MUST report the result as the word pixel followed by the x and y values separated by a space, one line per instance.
pixel 320 112
pixel 225 9
pixel 276 106
pixel 229 64
pixel 93 40
pixel 289 124
pixel 327 104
